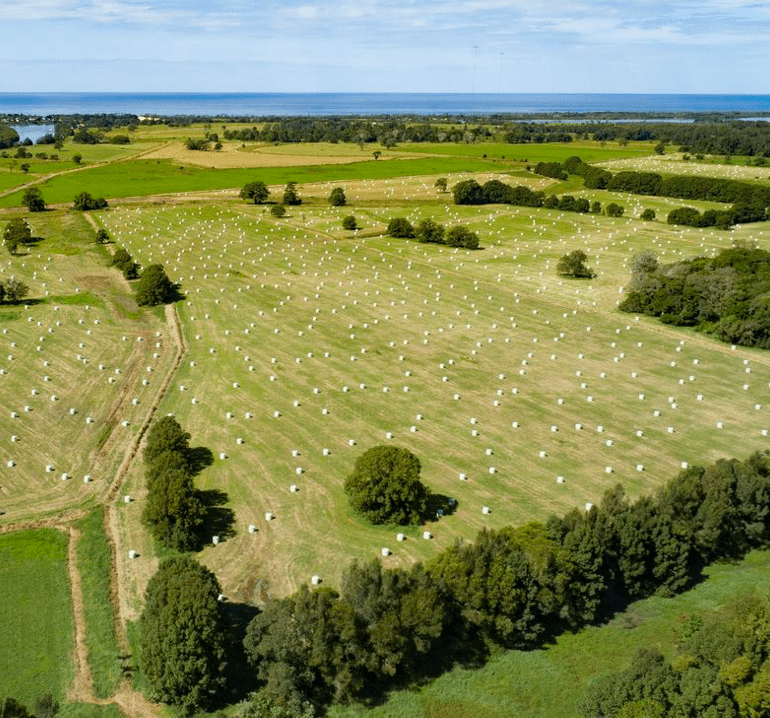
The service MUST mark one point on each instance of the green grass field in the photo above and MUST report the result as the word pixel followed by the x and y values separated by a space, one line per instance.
pixel 35 615
pixel 551 682
pixel 94 565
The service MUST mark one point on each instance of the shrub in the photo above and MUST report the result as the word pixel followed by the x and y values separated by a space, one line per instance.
pixel 429 231
pixel 278 210
pixel 337 197
pixel 85 202
pixel 648 215
pixel 574 265
pixel 614 210
pixel 349 222
pixel 33 199
pixel 461 236
pixel 401 228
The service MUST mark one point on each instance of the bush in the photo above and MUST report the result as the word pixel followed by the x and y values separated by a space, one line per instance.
pixel 461 236
pixel 468 192
pixel 256 191
pixel 278 210
pixel 125 263
pixel 14 290
pixel 648 215
pixel 385 486
pixel 574 265
pixel 337 197
pixel 401 228
pixel 85 202
pixel 430 232
pixel 614 210
pixel 155 287
pixel 33 200
pixel 349 222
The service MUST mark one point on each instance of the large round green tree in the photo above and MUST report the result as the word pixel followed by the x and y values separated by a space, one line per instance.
pixel 183 634
pixel 385 486
pixel 155 287
pixel 166 434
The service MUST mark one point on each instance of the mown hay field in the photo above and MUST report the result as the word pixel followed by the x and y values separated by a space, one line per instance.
pixel 305 338
pixel 77 361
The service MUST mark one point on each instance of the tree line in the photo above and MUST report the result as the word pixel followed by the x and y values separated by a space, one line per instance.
pixel 470 192
pixel 430 232
pixel 727 295
pixel 511 588
pixel 749 201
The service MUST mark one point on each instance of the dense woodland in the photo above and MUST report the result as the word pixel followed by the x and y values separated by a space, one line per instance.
pixel 727 295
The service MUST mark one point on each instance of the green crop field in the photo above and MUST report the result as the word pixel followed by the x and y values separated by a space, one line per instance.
pixel 552 681
pixel 312 344
pixel 35 615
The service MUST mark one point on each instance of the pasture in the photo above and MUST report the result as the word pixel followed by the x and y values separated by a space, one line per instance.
pixel 79 365
pixel 518 390
pixel 36 615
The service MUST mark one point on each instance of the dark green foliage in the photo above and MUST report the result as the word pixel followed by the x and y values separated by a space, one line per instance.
pixel 401 228
pixel 613 209
pixel 441 184
pixel 183 634
pixel 468 192
pixel 173 512
pixel 290 196
pixel 102 236
pixel 17 232
pixel 647 215
pixel 166 434
pixel 574 265
pixel 636 183
pixel 84 136
pixel 728 295
pixel 13 290
pixel 46 706
pixel 349 222
pixel 385 486
pixel 260 705
pixel 461 236
pixel 710 218
pixel 199 144
pixel 337 197
pixel 85 202
pixel 551 169
pixel 429 231
pixel 255 191
pixel 11 708
pixel 596 207
pixel 8 136
pixel 33 200
pixel 77 158
pixel 154 287
pixel 120 140
pixel 278 210
pixel 125 263
pixel 497 192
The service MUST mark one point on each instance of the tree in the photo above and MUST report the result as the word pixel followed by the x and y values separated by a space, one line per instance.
pixel 614 210
pixel 385 486
pixel 440 184
pixel 461 236
pixel 278 210
pixel 11 708
pixel 125 263
pixel 349 222
pixel 24 168
pixel 85 202
pixel 15 290
pixel 173 511
pixel 574 265
pixel 155 287
pixel 16 232
pixel 290 196
pixel 429 231
pixel 468 192
pixel 166 434
pixel 401 228
pixel 376 154
pixel 648 215
pixel 256 191
pixel 77 158
pixel 33 200
pixel 102 236
pixel 337 197
pixel 183 650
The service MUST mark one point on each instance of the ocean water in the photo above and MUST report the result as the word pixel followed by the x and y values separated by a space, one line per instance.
pixel 319 104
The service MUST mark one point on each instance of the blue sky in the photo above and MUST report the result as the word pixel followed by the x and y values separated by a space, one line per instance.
pixel 718 46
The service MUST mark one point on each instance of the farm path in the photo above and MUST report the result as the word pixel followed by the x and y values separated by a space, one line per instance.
pixel 82 688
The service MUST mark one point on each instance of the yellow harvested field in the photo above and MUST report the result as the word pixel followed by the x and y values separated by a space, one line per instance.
pixel 233 155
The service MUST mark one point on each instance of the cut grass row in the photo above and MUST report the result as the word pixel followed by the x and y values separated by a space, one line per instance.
pixel 552 681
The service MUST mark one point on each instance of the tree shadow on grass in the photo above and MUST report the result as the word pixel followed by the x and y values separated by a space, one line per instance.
pixel 218 519
pixel 241 677
pixel 439 505
pixel 199 458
